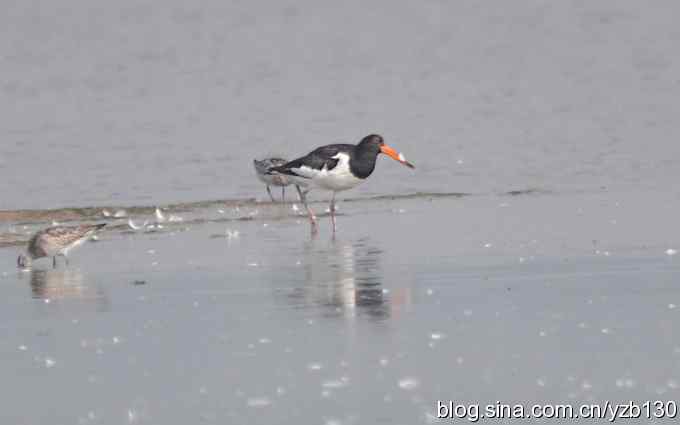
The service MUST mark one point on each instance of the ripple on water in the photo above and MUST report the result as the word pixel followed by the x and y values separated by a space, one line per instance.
pixel 336 383
pixel 314 366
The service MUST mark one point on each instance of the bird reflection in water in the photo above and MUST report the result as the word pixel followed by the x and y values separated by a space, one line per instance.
pixel 347 277
pixel 66 284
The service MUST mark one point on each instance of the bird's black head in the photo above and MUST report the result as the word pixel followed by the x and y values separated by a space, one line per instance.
pixel 375 144
pixel 371 143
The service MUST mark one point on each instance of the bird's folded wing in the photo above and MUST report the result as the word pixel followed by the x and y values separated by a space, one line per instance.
pixel 309 165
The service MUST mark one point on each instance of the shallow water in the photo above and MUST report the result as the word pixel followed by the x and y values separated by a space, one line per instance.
pixel 519 298
pixel 531 256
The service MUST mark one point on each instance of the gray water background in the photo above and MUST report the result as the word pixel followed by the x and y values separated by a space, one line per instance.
pixel 146 102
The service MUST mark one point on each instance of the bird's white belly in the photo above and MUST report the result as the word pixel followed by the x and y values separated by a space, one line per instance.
pixel 337 179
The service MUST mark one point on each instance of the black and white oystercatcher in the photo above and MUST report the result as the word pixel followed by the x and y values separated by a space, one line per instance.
pixel 336 168
pixel 55 241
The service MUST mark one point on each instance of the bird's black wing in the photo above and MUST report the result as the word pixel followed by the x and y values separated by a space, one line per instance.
pixel 317 160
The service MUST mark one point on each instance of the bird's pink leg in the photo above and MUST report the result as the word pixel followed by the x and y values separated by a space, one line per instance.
pixel 312 217
pixel 332 208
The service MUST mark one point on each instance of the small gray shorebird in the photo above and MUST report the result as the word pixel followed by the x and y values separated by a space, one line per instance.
pixel 335 168
pixel 56 241
pixel 263 166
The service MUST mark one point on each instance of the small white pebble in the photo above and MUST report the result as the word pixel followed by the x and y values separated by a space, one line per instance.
pixel 49 362
pixel 408 384
pixel 437 336
pixel 258 402
pixel 314 366
pixel 671 306
pixel 22 348
pixel 430 292
pixel 488 245
pixel 132 416
pixel 605 330
pixel 671 251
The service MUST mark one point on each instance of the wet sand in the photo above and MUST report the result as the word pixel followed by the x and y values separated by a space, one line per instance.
pixel 540 297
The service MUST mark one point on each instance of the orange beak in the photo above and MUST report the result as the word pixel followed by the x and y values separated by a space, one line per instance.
pixel 395 156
